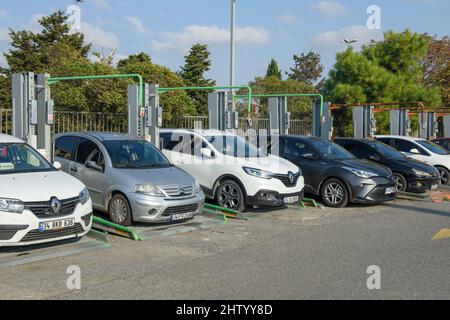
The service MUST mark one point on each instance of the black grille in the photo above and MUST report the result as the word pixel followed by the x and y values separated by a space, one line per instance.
pixel 36 235
pixel 7 232
pixel 181 209
pixel 87 219
pixel 285 179
pixel 43 209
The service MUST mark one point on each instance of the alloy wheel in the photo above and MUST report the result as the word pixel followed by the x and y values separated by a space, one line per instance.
pixel 334 193
pixel 119 210
pixel 444 176
pixel 398 183
pixel 229 196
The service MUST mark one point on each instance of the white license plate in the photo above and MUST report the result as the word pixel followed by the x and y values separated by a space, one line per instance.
pixel 291 199
pixel 434 186
pixel 390 190
pixel 181 216
pixel 56 224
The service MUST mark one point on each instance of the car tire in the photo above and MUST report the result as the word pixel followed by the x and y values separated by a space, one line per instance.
pixel 230 195
pixel 445 175
pixel 334 193
pixel 400 182
pixel 120 211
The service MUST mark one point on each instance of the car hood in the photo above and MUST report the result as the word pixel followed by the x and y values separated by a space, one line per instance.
pixel 39 186
pixel 156 176
pixel 366 165
pixel 270 163
pixel 413 164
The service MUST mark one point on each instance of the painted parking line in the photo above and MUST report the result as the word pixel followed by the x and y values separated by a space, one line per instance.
pixel 442 234
pixel 16 256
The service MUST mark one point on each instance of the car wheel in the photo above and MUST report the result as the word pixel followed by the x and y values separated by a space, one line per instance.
pixel 334 193
pixel 445 176
pixel 400 182
pixel 230 195
pixel 120 211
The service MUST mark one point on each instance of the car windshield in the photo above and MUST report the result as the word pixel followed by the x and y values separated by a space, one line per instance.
pixel 330 151
pixel 235 146
pixel 135 154
pixel 433 147
pixel 21 158
pixel 386 151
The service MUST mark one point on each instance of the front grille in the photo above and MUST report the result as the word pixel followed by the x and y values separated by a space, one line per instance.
pixel 43 209
pixel 36 235
pixel 285 179
pixel 178 191
pixel 181 209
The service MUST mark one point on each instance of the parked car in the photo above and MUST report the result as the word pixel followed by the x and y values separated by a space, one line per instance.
pixel 38 203
pixel 422 150
pixel 443 142
pixel 333 173
pixel 409 174
pixel 129 178
pixel 233 171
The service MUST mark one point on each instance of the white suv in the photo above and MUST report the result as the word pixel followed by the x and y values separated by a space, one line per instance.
pixel 231 170
pixel 422 150
pixel 38 203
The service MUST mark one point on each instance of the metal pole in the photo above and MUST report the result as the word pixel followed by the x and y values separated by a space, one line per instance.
pixel 233 49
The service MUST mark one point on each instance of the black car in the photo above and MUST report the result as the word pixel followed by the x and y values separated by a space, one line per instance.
pixel 409 174
pixel 332 172
pixel 443 142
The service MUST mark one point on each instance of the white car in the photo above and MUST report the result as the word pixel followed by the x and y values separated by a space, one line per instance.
pixel 38 203
pixel 422 150
pixel 231 170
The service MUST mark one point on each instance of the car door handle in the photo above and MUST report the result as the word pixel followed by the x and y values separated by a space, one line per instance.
pixel 74 169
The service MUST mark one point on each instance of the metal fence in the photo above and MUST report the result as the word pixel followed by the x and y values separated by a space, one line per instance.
pixel 71 121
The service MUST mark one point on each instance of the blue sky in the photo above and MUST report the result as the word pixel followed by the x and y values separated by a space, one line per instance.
pixel 267 29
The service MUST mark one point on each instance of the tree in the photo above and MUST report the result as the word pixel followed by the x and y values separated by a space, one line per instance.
pixel 273 70
pixel 307 68
pixel 197 63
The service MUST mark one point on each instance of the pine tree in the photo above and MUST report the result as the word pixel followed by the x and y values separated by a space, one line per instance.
pixel 273 70
pixel 307 68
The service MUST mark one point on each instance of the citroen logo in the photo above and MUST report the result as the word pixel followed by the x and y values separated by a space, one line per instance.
pixel 55 205
pixel 291 177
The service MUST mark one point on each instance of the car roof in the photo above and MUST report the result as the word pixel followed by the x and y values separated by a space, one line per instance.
pixel 5 138
pixel 205 132
pixel 101 136
pixel 399 137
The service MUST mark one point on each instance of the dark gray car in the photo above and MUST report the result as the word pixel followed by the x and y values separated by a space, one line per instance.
pixel 129 178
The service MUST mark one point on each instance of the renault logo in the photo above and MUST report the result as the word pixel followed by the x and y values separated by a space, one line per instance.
pixel 291 177
pixel 55 205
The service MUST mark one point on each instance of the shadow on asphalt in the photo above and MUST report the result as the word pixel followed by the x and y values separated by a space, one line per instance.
pixel 421 210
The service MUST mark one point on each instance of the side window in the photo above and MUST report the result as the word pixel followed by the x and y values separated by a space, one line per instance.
pixel 297 149
pixel 387 141
pixel 64 147
pixel 177 142
pixel 362 151
pixel 404 146
pixel 86 150
pixel 167 143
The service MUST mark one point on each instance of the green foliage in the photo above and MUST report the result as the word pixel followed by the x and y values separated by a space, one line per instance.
pixel 386 71
pixel 197 63
pixel 273 70
pixel 307 68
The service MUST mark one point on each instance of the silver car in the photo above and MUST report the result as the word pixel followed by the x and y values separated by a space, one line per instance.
pixel 129 178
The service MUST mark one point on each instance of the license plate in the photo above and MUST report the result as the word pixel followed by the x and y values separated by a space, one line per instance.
pixel 390 190
pixel 434 187
pixel 291 199
pixel 56 224
pixel 181 216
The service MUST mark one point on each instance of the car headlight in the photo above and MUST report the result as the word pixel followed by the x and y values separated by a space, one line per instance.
pixel 197 186
pixel 148 190
pixel 361 173
pixel 84 196
pixel 11 205
pixel 420 173
pixel 258 173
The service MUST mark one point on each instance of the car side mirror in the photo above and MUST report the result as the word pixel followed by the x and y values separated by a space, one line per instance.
pixel 207 153
pixel 57 165
pixel 94 166
pixel 414 151
pixel 309 156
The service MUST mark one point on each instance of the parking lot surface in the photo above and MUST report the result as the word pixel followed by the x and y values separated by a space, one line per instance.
pixel 284 254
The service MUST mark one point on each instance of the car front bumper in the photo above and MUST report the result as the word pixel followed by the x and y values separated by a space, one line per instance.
pixel 160 209
pixel 372 190
pixel 268 198
pixel 23 229
pixel 422 184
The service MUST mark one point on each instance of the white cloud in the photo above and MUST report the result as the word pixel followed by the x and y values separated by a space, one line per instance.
pixel 4 35
pixel 332 39
pixel 330 8
pixel 98 37
pixel 33 24
pixel 136 23
pixel 3 62
pixel 210 35
pixel 288 19
pixel 4 15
